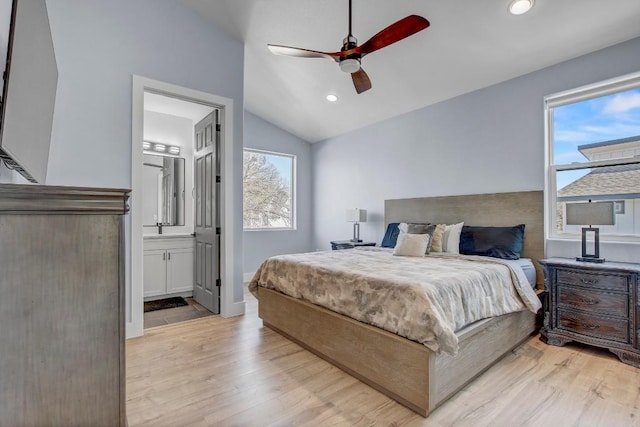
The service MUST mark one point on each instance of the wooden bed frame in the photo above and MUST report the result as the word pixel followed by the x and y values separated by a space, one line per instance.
pixel 404 370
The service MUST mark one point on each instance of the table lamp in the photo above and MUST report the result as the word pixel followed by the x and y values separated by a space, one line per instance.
pixel 356 216
pixel 597 213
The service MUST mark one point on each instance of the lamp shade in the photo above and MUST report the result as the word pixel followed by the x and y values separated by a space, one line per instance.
pixel 597 213
pixel 356 215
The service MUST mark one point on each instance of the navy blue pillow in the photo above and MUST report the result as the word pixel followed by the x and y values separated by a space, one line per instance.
pixel 497 242
pixel 391 235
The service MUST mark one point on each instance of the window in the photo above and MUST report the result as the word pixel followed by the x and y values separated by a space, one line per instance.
pixel 593 136
pixel 268 188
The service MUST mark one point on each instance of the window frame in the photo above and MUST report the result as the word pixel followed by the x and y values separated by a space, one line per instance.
pixel 579 94
pixel 293 197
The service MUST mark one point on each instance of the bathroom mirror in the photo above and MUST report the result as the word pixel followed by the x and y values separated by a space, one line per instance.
pixel 163 190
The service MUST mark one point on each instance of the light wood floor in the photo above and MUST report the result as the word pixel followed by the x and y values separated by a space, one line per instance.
pixel 234 372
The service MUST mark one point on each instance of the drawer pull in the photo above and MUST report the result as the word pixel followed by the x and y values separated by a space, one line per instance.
pixel 589 282
pixel 589 301
pixel 590 326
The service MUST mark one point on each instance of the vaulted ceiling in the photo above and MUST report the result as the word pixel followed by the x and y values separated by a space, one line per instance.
pixel 470 44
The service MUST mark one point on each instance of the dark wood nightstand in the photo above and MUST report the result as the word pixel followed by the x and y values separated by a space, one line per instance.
pixel 597 304
pixel 348 244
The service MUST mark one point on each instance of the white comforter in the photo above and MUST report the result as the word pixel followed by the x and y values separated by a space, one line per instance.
pixel 424 299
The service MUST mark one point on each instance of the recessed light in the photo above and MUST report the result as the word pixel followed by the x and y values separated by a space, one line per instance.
pixel 518 7
pixel 332 98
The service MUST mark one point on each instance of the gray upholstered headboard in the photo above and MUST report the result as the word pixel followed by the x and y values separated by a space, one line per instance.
pixel 496 209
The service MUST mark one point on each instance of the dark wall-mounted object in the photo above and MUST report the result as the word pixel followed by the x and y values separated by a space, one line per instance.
pixel 29 90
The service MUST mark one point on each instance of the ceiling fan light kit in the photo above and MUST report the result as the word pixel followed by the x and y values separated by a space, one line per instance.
pixel 350 65
pixel 349 58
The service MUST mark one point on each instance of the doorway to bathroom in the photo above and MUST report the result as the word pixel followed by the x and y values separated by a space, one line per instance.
pixel 176 207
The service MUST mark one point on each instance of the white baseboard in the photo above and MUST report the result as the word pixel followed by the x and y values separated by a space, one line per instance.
pixel 134 330
pixel 237 309
pixel 246 278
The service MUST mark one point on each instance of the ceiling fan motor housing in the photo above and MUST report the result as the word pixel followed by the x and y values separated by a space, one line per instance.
pixel 350 63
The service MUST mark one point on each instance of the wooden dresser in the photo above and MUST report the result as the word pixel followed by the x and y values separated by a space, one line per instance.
pixel 597 304
pixel 62 306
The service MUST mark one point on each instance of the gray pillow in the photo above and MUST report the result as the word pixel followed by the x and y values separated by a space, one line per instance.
pixel 414 228
pixel 417 228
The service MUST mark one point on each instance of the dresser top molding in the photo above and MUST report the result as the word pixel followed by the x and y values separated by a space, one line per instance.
pixel 37 199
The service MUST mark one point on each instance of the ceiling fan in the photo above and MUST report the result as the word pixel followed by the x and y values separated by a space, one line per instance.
pixel 350 55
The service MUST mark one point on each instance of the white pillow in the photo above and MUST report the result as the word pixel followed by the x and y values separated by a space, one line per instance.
pixel 411 244
pixel 451 239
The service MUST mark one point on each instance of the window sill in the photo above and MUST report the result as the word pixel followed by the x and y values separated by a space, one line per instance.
pixel 608 239
pixel 621 251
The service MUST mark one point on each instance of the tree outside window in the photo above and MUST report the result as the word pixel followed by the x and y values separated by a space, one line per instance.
pixel 268 188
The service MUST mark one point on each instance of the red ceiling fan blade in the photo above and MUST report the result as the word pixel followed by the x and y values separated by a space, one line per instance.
pixel 302 53
pixel 393 33
pixel 350 52
pixel 361 81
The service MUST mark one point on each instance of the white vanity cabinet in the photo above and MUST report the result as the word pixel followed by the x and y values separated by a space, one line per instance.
pixel 168 266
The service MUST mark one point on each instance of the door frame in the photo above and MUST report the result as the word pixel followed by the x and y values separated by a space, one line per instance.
pixel 134 296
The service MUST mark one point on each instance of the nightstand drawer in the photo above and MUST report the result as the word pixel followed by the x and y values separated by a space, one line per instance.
pixel 603 281
pixel 594 326
pixel 593 301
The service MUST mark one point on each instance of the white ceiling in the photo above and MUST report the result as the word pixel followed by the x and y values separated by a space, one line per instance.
pixel 471 44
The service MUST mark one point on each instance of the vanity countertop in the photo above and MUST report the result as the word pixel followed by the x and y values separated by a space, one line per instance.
pixel 167 236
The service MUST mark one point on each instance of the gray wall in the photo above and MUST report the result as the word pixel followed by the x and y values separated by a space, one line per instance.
pixel 490 140
pixel 259 245
pixel 99 46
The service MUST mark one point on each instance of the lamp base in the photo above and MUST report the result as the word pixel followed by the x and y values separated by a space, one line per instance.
pixel 588 259
pixel 356 233
pixel 595 256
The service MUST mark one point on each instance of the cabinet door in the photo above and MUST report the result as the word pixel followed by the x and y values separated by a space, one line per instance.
pixel 179 270
pixel 155 272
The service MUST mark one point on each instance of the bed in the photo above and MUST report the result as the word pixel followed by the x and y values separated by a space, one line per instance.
pixel 403 369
